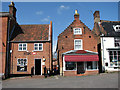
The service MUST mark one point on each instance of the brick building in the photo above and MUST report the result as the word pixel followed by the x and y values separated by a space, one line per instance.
pixel 7 21
pixel 26 49
pixel 77 49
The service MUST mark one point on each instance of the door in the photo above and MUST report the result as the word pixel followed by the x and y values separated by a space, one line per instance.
pixel 80 68
pixel 37 66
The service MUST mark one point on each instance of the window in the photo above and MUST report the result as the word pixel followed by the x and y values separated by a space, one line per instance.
pixel 92 65
pixel 114 58
pixel 116 28
pixel 78 44
pixel 21 64
pixel 77 31
pixel 89 65
pixel 38 47
pixel 117 42
pixel 70 65
pixel 22 47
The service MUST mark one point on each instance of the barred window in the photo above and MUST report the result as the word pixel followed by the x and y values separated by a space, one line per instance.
pixel 22 64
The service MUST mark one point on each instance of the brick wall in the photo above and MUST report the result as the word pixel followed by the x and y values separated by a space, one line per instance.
pixel 66 39
pixel 74 73
pixel 3 39
pixel 47 53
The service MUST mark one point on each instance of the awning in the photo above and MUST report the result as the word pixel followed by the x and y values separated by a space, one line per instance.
pixel 77 58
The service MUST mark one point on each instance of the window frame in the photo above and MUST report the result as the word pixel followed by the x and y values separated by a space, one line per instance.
pixel 117 54
pixel 81 44
pixel 93 63
pixel 116 42
pixel 38 46
pixel 22 47
pixel 22 65
pixel 71 70
pixel 77 33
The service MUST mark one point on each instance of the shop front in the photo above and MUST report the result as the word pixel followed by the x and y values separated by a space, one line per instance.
pixel 80 64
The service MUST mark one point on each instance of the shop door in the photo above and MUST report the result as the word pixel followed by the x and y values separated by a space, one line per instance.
pixel 80 68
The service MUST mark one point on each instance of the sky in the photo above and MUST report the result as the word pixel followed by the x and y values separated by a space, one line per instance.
pixel 62 13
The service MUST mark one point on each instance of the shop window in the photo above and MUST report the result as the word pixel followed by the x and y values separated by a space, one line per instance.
pixel 89 65
pixel 114 58
pixel 21 65
pixel 92 65
pixel 70 65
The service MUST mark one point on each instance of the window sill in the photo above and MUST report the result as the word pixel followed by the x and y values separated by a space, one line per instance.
pixel 91 69
pixel 37 50
pixel 70 70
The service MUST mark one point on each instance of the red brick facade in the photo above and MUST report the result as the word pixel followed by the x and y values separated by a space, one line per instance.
pixel 67 37
pixel 13 34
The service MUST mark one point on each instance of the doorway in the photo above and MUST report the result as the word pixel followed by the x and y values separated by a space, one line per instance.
pixel 80 68
pixel 37 66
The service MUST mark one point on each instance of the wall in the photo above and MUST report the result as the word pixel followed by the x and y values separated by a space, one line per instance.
pixel 106 42
pixel 39 54
pixel 3 39
pixel 67 44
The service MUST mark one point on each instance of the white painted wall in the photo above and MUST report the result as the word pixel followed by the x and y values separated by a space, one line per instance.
pixel 107 42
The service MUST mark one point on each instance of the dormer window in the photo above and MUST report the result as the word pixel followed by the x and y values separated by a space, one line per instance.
pixel 116 28
pixel 77 31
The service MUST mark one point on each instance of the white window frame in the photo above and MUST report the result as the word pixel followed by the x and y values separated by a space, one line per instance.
pixel 81 44
pixel 22 47
pixel 71 70
pixel 116 42
pixel 93 63
pixel 113 65
pixel 38 47
pixel 22 65
pixel 77 30
pixel 117 30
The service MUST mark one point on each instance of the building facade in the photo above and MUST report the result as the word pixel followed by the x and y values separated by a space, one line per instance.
pixel 110 46
pixel 7 21
pixel 109 50
pixel 76 43
pixel 26 49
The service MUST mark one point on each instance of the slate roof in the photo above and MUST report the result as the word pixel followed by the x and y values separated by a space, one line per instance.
pixel 31 33
pixel 108 27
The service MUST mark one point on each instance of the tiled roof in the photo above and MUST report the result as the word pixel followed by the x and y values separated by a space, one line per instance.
pixel 31 33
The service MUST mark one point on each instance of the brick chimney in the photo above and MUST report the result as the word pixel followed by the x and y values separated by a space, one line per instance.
pixel 76 15
pixel 96 17
pixel 12 9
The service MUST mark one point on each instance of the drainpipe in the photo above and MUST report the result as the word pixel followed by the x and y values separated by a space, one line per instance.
pixel 7 50
pixel 103 68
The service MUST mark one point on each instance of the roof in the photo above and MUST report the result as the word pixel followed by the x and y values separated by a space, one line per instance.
pixel 31 33
pixel 80 52
pixel 108 27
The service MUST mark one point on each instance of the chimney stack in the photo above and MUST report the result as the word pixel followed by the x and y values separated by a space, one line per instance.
pixel 96 17
pixel 76 15
pixel 12 9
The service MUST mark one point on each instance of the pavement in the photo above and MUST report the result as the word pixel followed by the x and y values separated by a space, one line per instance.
pixel 107 80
